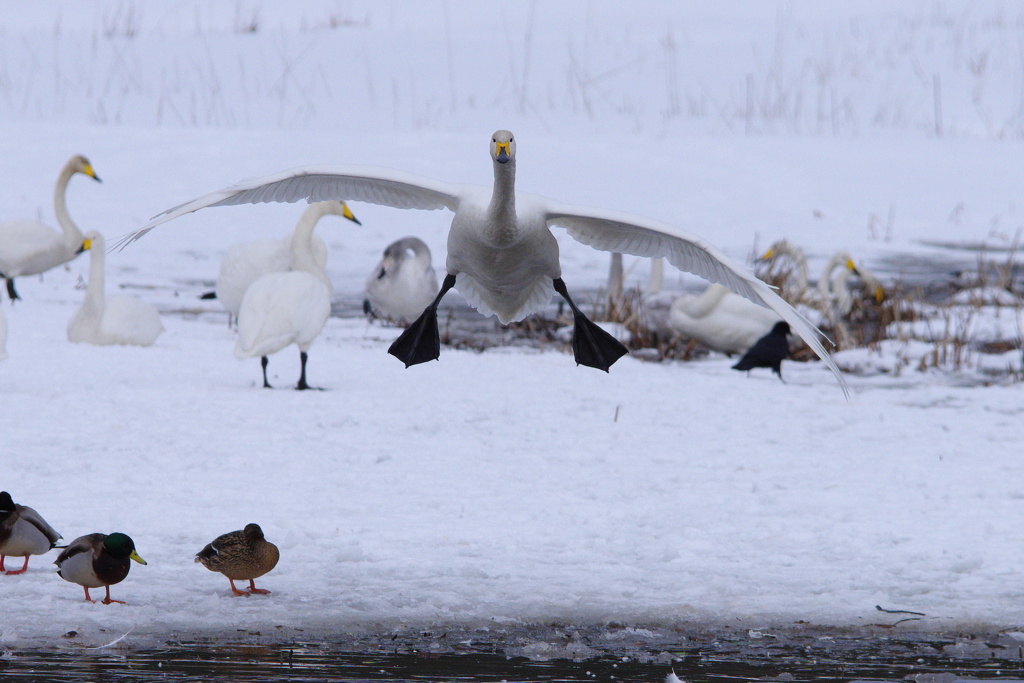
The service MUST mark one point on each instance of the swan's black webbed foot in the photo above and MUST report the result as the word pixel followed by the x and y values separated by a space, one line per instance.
pixel 11 292
pixel 591 345
pixel 421 341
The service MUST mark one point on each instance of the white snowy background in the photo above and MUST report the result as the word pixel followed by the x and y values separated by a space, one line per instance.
pixel 511 486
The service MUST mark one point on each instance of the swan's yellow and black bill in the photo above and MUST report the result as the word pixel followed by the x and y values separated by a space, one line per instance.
pixel 86 245
pixel 91 173
pixel 135 556
pixel 501 152
pixel 347 213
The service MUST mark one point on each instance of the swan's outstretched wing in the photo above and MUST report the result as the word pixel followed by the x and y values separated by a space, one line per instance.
pixel 320 183
pixel 616 231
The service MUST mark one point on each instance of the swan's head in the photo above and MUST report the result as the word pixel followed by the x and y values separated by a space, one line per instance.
pixel 339 208
pixel 93 240
pixel 503 147
pixel 79 164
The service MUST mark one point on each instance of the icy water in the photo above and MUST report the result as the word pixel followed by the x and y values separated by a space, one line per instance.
pixel 578 655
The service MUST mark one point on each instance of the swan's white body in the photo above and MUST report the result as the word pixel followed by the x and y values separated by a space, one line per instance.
pixel 113 319
pixel 287 307
pixel 500 247
pixel 28 247
pixel 3 335
pixel 403 283
pixel 247 262
pixel 721 320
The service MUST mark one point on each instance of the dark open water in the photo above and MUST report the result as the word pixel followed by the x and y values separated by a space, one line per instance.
pixel 799 655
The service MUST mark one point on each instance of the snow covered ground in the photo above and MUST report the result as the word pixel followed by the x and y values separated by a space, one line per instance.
pixel 510 486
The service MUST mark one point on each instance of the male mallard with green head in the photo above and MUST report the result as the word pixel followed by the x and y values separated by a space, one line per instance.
pixel 241 555
pixel 23 532
pixel 98 560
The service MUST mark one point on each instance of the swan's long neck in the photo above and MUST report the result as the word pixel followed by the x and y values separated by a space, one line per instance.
pixel 72 235
pixel 307 222
pixel 502 225
pixel 706 302
pixel 302 249
pixel 94 298
pixel 825 284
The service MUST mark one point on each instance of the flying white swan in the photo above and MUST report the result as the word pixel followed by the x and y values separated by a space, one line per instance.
pixel 721 320
pixel 502 256
pixel 113 319
pixel 28 247
pixel 403 283
pixel 245 263
pixel 283 308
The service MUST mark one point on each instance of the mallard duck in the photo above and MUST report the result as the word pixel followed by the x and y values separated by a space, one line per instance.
pixel 98 560
pixel 22 533
pixel 243 555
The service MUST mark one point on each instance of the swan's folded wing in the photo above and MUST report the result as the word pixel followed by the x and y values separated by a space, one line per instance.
pixel 616 231
pixel 371 184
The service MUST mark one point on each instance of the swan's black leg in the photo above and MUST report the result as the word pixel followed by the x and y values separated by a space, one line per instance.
pixel 263 362
pixel 421 341
pixel 302 376
pixel 591 345
pixel 11 292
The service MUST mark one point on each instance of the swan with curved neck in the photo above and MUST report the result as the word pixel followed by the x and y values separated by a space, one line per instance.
pixel 403 283
pixel 794 278
pixel 245 263
pixel 721 320
pixel 502 255
pixel 28 247
pixel 113 319
pixel 283 308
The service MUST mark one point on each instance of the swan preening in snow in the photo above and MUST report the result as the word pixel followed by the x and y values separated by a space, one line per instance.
pixel 502 255
pixel 245 263
pixel 28 247
pixel 721 320
pixel 282 308
pixel 403 283
pixel 113 319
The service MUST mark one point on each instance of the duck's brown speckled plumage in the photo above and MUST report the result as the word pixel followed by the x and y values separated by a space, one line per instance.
pixel 241 555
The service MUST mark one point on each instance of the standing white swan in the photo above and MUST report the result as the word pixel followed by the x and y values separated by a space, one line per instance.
pixel 114 319
pixel 403 283
pixel 501 253
pixel 721 320
pixel 245 263
pixel 285 308
pixel 28 247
